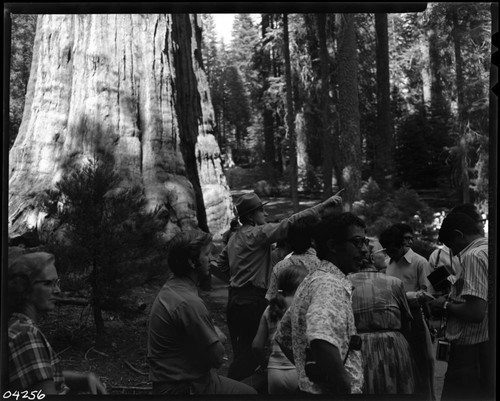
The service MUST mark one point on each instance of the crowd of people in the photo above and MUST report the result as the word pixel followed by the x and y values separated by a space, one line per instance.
pixel 328 311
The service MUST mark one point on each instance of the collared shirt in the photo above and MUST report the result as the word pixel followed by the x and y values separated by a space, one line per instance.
pixel 31 358
pixel 473 280
pixel 180 332
pixel 379 301
pixel 248 252
pixel 308 260
pixel 321 310
pixel 410 269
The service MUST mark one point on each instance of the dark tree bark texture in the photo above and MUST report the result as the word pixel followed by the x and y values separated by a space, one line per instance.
pixel 383 140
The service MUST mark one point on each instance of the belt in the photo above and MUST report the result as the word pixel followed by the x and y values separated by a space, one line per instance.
pixel 248 287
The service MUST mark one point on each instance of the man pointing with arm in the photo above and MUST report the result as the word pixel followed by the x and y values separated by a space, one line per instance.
pixel 247 257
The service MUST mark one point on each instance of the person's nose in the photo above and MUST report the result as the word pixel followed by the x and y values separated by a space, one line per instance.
pixel 56 289
pixel 365 250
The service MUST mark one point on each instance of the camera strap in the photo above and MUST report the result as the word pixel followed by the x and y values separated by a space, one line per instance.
pixel 437 260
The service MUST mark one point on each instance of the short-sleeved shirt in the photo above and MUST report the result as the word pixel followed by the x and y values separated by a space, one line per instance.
pixel 308 260
pixel 180 332
pixel 31 357
pixel 411 270
pixel 248 252
pixel 321 310
pixel 379 301
pixel 473 281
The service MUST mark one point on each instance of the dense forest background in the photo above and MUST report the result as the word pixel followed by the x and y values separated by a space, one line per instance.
pixel 418 100
pixel 383 105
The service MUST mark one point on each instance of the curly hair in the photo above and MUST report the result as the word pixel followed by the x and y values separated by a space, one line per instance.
pixel 334 227
pixel 184 247
pixel 391 237
pixel 288 281
pixel 23 270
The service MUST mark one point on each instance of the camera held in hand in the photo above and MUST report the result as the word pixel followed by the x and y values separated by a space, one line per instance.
pixel 443 350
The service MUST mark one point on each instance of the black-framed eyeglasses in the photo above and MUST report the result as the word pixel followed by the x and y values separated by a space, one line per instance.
pixel 53 283
pixel 408 238
pixel 358 242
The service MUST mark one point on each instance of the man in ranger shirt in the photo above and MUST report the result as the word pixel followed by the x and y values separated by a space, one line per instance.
pixel 248 259
pixel 465 310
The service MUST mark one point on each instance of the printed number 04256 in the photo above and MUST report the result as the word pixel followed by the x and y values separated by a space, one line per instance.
pixel 34 395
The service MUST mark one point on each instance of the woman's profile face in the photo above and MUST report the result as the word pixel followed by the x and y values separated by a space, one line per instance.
pixel 45 289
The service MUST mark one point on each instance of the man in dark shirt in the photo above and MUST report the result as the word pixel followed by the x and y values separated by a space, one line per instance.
pixel 183 344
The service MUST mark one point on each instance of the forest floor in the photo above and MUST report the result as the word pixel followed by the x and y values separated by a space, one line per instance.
pixel 122 364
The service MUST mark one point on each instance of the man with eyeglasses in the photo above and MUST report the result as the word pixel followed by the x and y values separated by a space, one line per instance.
pixel 320 322
pixel 247 257
pixel 470 365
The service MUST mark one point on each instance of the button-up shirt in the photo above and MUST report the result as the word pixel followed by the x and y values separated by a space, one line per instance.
pixel 321 310
pixel 31 358
pixel 473 281
pixel 411 270
pixel 308 260
pixel 248 252
pixel 180 332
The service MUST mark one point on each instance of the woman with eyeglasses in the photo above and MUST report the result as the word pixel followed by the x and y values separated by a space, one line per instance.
pixel 33 366
pixel 382 318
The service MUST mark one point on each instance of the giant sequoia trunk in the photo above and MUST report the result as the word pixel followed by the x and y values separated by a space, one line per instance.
pixel 130 86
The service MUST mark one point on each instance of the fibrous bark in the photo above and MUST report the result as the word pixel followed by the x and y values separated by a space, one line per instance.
pixel 106 84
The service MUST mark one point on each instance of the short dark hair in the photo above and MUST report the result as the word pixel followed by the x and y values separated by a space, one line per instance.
pixel 468 209
pixel 299 238
pixel 186 246
pixel 391 237
pixel 457 221
pixel 404 228
pixel 334 227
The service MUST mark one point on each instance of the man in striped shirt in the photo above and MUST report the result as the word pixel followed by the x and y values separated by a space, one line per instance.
pixel 465 310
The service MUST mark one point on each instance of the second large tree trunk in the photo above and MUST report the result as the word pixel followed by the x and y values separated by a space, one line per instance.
pixel 349 141
pixel 383 157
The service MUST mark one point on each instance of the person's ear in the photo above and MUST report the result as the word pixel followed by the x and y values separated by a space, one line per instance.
pixel 191 264
pixel 458 233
